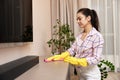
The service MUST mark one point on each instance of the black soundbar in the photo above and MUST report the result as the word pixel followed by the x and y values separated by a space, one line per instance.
pixel 13 69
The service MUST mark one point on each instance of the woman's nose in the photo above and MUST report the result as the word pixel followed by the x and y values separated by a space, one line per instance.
pixel 78 21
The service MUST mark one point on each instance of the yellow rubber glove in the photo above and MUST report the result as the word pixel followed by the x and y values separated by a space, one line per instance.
pixel 76 61
pixel 62 56
pixel 58 57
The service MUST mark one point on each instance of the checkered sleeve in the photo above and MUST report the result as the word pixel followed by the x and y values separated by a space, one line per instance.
pixel 72 49
pixel 97 50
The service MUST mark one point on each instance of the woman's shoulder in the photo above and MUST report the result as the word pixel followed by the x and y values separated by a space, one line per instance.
pixel 98 35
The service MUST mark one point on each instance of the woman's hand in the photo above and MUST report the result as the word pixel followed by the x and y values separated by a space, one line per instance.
pixel 58 57
pixel 53 58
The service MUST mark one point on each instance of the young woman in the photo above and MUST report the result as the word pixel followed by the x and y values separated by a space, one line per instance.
pixel 87 48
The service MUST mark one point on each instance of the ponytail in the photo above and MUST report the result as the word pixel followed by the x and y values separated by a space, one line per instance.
pixel 94 18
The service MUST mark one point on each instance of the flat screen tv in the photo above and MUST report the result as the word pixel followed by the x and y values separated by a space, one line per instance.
pixel 16 21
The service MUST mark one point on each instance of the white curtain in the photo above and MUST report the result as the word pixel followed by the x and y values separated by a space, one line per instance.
pixel 108 13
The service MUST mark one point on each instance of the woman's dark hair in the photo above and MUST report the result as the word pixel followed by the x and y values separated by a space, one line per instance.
pixel 92 13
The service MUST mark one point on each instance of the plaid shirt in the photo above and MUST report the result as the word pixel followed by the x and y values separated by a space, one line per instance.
pixel 90 48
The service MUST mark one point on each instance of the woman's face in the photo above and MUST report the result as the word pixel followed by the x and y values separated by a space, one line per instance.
pixel 82 20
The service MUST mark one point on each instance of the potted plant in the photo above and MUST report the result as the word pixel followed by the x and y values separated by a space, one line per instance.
pixel 62 37
pixel 104 67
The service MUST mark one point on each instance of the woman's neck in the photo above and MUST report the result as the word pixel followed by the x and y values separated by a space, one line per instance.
pixel 88 28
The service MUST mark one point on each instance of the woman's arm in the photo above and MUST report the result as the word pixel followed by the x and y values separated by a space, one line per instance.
pixel 72 49
pixel 97 51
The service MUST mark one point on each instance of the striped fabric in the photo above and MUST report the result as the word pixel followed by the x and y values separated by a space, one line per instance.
pixel 89 48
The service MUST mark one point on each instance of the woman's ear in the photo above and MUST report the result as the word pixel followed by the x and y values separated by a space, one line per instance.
pixel 89 18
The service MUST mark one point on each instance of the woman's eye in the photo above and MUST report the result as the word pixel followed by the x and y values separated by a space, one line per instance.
pixel 78 18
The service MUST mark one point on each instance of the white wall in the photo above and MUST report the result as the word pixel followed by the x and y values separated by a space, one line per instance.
pixel 41 34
